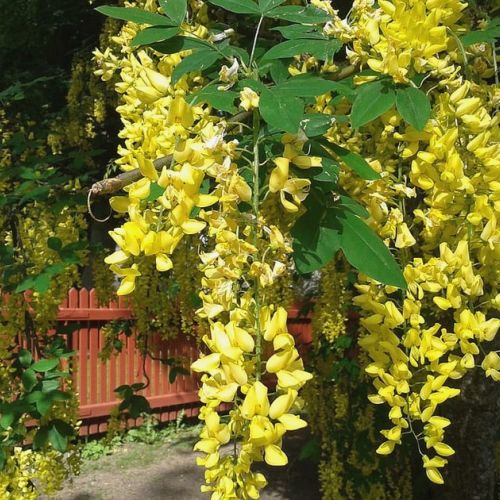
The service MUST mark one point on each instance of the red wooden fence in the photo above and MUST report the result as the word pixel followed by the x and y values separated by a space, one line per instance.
pixel 95 380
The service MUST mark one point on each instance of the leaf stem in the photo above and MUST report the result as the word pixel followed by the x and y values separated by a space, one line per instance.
pixel 255 41
pixel 255 209
pixel 461 48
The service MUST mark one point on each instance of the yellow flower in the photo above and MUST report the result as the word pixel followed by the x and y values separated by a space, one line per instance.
pixel 249 99
pixel 180 113
pixel 491 365
pixel 256 401
pixel 129 275
pixel 279 175
pixel 293 193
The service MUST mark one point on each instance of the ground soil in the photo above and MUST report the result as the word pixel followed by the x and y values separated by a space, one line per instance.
pixel 168 471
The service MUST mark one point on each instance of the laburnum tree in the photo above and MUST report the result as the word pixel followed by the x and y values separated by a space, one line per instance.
pixel 266 140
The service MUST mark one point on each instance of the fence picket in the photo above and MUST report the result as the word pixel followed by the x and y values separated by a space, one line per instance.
pixel 96 380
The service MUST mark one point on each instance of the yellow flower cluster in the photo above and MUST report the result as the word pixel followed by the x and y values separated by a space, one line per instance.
pixel 341 418
pixel 399 38
pixel 47 469
pixel 29 474
pixel 438 203
pixel 414 358
pixel 196 196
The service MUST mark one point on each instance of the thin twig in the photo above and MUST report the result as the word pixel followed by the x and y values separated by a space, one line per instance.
pixel 113 184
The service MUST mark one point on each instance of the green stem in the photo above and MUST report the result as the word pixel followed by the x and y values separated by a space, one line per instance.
pixel 495 66
pixel 255 42
pixel 255 209
pixel 461 48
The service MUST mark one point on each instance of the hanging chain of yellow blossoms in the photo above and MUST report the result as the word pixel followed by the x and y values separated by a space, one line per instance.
pixel 342 420
pixel 36 229
pixel 25 473
pixel 438 203
pixel 240 257
pixel 197 180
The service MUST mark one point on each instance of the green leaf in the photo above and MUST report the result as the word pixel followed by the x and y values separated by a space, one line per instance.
pixel 366 251
pixel 315 124
pixel 316 239
pixel 278 70
pixel 328 177
pixel 25 358
pixel 42 283
pixel 321 49
pixel 255 85
pixel 294 31
pixel 37 193
pixel 219 99
pixel 155 191
pixel 39 283
pixel 197 61
pixel 353 206
pixel 343 342
pixel 45 365
pixel 298 14
pixel 180 43
pixel 43 404
pixel 50 385
pixel 59 396
pixel 139 16
pixel 7 420
pixel 311 450
pixel 35 396
pixel 489 34
pixel 152 35
pixel 175 10
pixel 353 161
pixel 237 6
pixel 175 371
pixel 267 5
pixel 40 438
pixel 414 106
pixel 124 391
pixel 372 100
pixel 344 89
pixel 58 441
pixel 306 86
pixel 138 386
pixel 281 111
pixel 64 428
pixel 3 458
pixel 138 405
pixel 54 243
pixel 29 379
pixel 231 51
pixel 55 374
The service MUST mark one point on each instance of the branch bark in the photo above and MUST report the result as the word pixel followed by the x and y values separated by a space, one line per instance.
pixel 113 184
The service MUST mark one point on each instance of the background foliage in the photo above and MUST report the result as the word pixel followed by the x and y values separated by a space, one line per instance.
pixel 58 130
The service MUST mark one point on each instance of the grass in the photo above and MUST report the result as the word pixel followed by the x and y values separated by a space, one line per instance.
pixel 142 445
